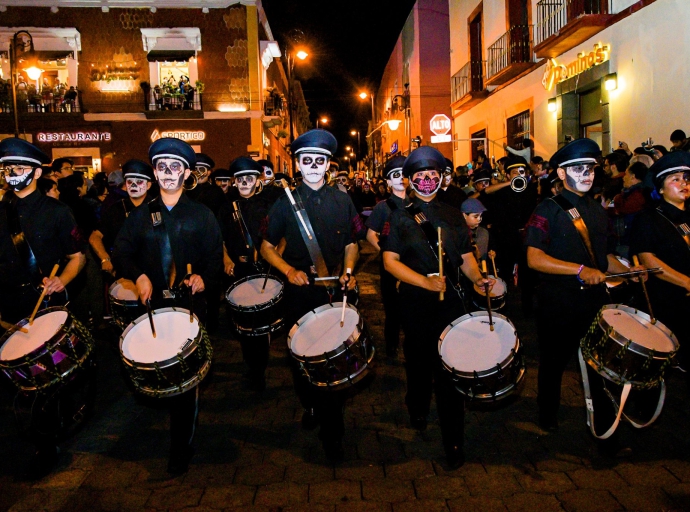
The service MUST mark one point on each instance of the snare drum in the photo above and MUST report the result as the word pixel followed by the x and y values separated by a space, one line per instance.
pixel 331 356
pixel 624 346
pixel 254 313
pixel 56 345
pixel 497 294
pixel 484 365
pixel 176 360
pixel 124 302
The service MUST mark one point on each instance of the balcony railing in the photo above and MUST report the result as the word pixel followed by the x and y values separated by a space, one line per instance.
pixel 469 79
pixel 555 14
pixel 513 47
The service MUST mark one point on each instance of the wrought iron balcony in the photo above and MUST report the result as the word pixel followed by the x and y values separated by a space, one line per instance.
pixel 509 55
pixel 468 83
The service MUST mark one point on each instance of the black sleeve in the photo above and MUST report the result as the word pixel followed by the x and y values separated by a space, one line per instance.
pixel 537 228
pixel 644 234
pixel 393 233
pixel 70 236
pixel 212 250
pixel 276 224
pixel 378 217
pixel 126 248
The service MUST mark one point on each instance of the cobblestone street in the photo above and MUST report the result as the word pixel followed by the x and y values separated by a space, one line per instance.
pixel 252 453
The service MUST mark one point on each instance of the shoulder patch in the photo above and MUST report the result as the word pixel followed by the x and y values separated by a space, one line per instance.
pixel 539 222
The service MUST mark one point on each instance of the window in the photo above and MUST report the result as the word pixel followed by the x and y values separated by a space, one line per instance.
pixel 519 128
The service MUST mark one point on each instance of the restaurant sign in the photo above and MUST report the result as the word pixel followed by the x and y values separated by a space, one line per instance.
pixel 556 73
pixel 185 135
pixel 91 136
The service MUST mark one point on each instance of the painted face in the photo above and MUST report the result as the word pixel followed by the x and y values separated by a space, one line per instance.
pixel 427 182
pixel 246 184
pixel 202 173
pixel 675 187
pixel 517 171
pixel 267 177
pixel 480 185
pixel 136 187
pixel 473 220
pixel 170 174
pixel 313 166
pixel 19 176
pixel 580 177
pixel 396 181
pixel 447 178
pixel 223 183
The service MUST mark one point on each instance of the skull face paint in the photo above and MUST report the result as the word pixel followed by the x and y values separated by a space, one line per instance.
pixel 19 177
pixel 170 174
pixel 426 183
pixel 313 166
pixel 395 181
pixel 267 177
pixel 246 184
pixel 447 178
pixel 136 187
pixel 580 177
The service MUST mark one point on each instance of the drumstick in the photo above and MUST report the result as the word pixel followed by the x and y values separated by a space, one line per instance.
pixel 268 273
pixel 43 294
pixel 299 214
pixel 488 295
pixel 633 273
pixel 148 311
pixel 342 316
pixel 636 262
pixel 12 327
pixel 493 264
pixel 191 296
pixel 440 260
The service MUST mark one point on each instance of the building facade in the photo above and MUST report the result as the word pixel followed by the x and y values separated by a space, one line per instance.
pixel 118 75
pixel 555 70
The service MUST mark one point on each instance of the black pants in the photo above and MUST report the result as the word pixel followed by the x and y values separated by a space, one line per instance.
pixel 255 352
pixel 424 318
pixel 391 307
pixel 184 413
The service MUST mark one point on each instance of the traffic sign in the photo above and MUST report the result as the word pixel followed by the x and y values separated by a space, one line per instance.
pixel 437 139
pixel 440 124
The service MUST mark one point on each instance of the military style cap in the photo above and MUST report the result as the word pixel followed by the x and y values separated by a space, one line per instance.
pixel 472 205
pixel 482 176
pixel 17 152
pixel 334 164
pixel 169 147
pixel 137 169
pixel 203 160
pixel 515 161
pixel 315 141
pixel 221 173
pixel 449 167
pixel 394 164
pixel 577 152
pixel 424 157
pixel 265 163
pixel 671 163
pixel 244 165
pixel 343 173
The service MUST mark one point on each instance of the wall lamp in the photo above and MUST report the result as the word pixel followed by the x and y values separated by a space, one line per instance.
pixel 611 82
pixel 553 105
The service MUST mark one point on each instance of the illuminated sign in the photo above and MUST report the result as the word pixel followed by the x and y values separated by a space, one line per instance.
pixel 187 136
pixel 440 124
pixel 73 136
pixel 556 73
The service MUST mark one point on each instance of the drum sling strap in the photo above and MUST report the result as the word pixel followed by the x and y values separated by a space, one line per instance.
pixel 21 244
pixel 309 236
pixel 242 226
pixel 683 229
pixel 161 234
pixel 579 225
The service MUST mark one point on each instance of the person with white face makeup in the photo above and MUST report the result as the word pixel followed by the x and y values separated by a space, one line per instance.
pixel 336 225
pixel 571 290
pixel 449 193
pixel 271 190
pixel 222 178
pixel 156 243
pixel 205 192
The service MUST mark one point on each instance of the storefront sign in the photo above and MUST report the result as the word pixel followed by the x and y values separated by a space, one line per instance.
pixel 556 73
pixel 73 136
pixel 187 136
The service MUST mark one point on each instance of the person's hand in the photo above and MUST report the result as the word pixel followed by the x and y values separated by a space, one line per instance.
pixel 637 278
pixel 624 146
pixel 196 283
pixel 107 266
pixel 435 284
pixel 592 276
pixel 297 277
pixel 350 280
pixel 482 281
pixel 229 267
pixel 144 287
pixel 492 254
pixel 52 285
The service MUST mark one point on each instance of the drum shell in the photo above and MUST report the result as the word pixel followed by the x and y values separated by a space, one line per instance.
pixel 341 367
pixel 55 360
pixel 497 302
pixel 175 375
pixel 490 384
pixel 620 360
pixel 124 311
pixel 259 319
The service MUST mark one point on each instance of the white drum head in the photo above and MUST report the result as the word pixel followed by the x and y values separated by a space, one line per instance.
pixel 498 290
pixel 472 346
pixel 125 290
pixel 22 343
pixel 249 293
pixel 173 329
pixel 638 330
pixel 321 332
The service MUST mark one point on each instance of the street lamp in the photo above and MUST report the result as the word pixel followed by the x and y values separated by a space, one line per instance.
pixel 353 133
pixel 291 53
pixel 26 44
pixel 363 95
pixel 323 120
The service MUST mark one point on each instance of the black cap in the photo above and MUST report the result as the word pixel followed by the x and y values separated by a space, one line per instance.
pixel 315 141
pixel 553 177
pixel 335 163
pixel 19 152
pixel 282 176
pixel 449 166
pixel 222 174
pixel 137 169
pixel 203 160
pixel 245 165
pixel 394 164
pixel 343 173
pixel 265 163
pixel 169 147
pixel 424 157
pixel 577 152
pixel 677 161
pixel 515 161
pixel 482 176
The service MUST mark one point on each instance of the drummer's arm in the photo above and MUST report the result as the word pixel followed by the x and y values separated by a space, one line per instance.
pixel 615 267
pixel 373 239
pixel 668 274
pixel 96 242
pixel 393 265
pixel 270 253
pixel 228 264
pixel 350 260
pixel 470 268
pixel 541 262
pixel 75 262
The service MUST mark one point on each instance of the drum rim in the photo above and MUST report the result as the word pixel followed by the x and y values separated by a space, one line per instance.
pixel 359 328
pixel 352 379
pixel 255 307
pixel 633 346
pixel 476 288
pixel 166 362
pixel 63 330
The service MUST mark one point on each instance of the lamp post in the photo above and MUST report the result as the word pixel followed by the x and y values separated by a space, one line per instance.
pixel 294 37
pixel 323 120
pixel 353 133
pixel 363 95
pixel 26 43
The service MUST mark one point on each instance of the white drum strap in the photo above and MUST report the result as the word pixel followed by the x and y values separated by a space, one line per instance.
pixel 624 397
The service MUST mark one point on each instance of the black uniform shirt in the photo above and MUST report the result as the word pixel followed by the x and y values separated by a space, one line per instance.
pixel 209 195
pixel 49 228
pixel 333 218
pixel 271 193
pixel 112 220
pixel 407 239
pixel 194 238
pixel 254 211
pixel 453 196
pixel 380 215
pixel 653 233
pixel 551 230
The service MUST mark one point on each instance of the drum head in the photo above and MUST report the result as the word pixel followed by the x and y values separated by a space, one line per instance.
pixel 320 332
pixel 124 290
pixel 173 329
pixel 471 346
pixel 499 289
pixel 638 329
pixel 248 293
pixel 20 343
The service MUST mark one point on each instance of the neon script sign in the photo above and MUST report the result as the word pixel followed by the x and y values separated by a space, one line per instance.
pixel 556 73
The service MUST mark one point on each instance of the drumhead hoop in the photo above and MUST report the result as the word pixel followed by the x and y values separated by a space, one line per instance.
pixel 498 290
pixel 47 324
pixel 629 324
pixel 319 332
pixel 247 291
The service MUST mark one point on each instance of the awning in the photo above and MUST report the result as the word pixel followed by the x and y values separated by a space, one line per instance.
pixel 170 55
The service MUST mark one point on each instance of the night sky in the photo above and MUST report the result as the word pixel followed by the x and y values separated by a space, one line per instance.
pixel 349 45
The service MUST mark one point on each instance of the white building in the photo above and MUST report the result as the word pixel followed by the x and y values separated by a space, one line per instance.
pixel 611 70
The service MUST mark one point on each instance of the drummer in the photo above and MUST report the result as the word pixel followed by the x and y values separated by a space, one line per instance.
pixel 336 226
pixel 656 238
pixel 472 211
pixel 241 258
pixel 410 256
pixel 570 291
pixel 189 235
pixel 52 237
pixel 204 192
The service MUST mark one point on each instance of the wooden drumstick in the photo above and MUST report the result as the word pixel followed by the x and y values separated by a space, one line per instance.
pixel 493 264
pixel 148 312
pixel 12 327
pixel 191 295
pixel 488 295
pixel 636 262
pixel 268 273
pixel 342 316
pixel 43 294
pixel 440 260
